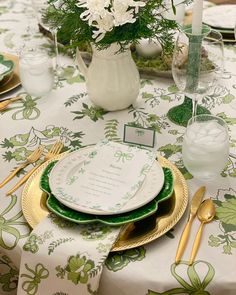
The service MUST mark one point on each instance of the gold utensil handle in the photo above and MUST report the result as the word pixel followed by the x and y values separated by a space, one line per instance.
pixel 183 240
pixel 196 244
pixel 22 181
pixel 12 174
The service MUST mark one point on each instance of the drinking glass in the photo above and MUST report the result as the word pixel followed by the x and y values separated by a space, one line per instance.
pixel 36 72
pixel 205 148
pixel 197 66
pixel 39 6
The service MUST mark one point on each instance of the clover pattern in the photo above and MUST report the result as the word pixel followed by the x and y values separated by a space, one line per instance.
pixel 226 217
pixel 118 260
pixel 95 231
pixel 33 242
pixel 77 269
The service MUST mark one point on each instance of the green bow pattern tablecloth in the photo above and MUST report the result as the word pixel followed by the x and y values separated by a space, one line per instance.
pixel 67 114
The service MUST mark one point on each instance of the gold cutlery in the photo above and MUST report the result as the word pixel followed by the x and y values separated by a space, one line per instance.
pixel 205 214
pixel 195 203
pixel 4 104
pixel 33 157
pixel 55 150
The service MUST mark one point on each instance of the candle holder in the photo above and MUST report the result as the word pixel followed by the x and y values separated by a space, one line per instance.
pixel 197 65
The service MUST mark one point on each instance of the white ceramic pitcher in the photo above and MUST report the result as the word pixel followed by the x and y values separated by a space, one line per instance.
pixel 112 78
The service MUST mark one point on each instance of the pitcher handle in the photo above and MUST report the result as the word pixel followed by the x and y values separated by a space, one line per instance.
pixel 81 64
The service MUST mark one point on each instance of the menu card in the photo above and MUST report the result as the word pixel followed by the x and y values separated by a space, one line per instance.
pixel 109 177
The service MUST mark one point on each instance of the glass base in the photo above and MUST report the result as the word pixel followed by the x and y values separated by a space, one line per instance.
pixel 180 114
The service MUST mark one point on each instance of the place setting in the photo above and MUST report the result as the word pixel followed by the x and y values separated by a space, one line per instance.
pixel 224 22
pixel 164 189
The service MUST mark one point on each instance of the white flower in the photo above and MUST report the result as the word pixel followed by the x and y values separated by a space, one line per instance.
pixel 136 4
pixel 95 8
pixel 105 14
pixel 121 13
pixel 103 24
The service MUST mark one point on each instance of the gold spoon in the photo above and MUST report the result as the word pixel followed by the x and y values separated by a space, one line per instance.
pixel 205 214
pixel 5 103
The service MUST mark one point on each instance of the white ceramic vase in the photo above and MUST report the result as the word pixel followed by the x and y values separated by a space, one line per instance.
pixel 112 78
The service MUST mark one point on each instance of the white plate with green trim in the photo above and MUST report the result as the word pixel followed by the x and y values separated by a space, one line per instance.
pixel 220 16
pixel 66 168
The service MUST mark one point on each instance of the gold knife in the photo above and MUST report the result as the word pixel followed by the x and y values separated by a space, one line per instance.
pixel 195 203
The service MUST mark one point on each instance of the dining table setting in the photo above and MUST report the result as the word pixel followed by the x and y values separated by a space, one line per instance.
pixel 118 147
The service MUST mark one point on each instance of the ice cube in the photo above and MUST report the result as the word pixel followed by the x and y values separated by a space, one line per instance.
pixel 215 131
pixel 196 150
pixel 202 131
pixel 211 125
pixel 222 136
pixel 206 140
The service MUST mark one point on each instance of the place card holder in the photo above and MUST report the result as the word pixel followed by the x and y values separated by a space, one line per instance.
pixel 139 136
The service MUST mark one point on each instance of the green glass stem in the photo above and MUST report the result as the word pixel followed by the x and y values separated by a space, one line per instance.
pixel 180 114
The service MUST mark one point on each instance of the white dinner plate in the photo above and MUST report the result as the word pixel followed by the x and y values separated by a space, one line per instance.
pixel 220 16
pixel 68 167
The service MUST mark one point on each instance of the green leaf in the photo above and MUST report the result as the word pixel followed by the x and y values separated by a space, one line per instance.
pixel 165 97
pixel 227 212
pixel 228 227
pixel 7 143
pixel 228 98
pixel 170 149
pixel 227 249
pixel 173 89
pixel 7 156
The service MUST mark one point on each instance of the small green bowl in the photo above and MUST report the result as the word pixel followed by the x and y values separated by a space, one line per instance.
pixel 7 71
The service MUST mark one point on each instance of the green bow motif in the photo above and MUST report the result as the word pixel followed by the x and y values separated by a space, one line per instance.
pixel 7 225
pixel 31 286
pixel 197 287
pixel 26 108
pixel 139 132
pixel 123 156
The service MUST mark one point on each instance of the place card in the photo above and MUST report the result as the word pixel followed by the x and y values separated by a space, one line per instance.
pixel 108 177
pixel 139 136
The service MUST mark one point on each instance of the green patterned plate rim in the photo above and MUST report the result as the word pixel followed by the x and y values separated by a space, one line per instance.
pixel 9 64
pixel 114 220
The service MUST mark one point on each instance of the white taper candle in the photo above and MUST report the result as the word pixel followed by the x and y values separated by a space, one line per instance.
pixel 197 17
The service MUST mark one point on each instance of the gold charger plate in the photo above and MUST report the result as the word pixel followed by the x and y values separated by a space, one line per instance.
pixel 133 234
pixel 15 79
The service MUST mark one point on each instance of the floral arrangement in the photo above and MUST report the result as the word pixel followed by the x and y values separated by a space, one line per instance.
pixel 103 22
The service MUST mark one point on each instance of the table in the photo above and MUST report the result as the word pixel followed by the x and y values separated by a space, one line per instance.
pixel 67 114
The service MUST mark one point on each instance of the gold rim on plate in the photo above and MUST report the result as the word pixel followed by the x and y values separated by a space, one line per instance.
pixel 133 234
pixel 15 79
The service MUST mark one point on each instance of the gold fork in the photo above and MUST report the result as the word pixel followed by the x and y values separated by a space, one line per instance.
pixel 55 150
pixel 29 160
pixel 4 104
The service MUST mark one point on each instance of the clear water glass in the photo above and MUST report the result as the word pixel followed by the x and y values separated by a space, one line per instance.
pixel 205 148
pixel 36 72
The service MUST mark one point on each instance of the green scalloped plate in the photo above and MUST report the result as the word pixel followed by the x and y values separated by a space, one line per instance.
pixel 10 67
pixel 114 220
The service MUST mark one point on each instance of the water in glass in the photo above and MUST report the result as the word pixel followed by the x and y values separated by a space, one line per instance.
pixel 36 72
pixel 205 147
